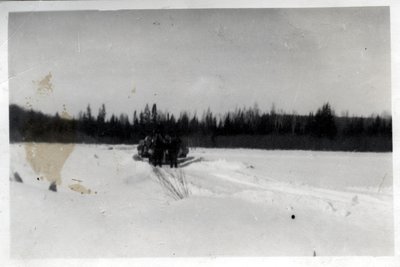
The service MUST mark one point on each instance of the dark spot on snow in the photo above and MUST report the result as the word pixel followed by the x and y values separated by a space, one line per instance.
pixel 354 200
pixel 53 187
pixel 365 48
pixel 38 178
pixel 293 217
pixel 17 177
pixel 332 207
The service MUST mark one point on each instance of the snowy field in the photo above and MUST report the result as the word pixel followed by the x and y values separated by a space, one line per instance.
pixel 239 202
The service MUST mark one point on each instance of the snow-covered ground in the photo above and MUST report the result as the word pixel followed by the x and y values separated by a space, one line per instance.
pixel 241 202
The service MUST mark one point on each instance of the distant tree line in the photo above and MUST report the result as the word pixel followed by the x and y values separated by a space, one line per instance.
pixel 243 127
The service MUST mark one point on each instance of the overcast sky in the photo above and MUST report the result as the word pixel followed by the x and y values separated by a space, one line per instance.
pixel 194 59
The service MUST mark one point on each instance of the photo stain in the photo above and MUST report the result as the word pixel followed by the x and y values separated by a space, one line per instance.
pixel 132 92
pixel 65 114
pixel 28 103
pixel 79 188
pixel 47 160
pixel 44 86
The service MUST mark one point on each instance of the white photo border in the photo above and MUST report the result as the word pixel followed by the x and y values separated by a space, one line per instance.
pixel 34 6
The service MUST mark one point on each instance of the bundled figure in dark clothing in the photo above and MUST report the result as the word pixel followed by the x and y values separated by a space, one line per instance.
pixel 158 145
pixel 173 151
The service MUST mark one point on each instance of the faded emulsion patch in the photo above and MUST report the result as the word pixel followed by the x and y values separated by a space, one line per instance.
pixel 79 188
pixel 47 160
pixel 65 114
pixel 44 86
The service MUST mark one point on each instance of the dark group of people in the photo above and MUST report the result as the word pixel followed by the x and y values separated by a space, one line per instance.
pixel 164 146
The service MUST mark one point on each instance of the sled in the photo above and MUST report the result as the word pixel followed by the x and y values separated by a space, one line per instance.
pixel 145 150
pixel 186 160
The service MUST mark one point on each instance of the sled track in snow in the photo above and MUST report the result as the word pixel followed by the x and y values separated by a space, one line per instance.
pixel 190 161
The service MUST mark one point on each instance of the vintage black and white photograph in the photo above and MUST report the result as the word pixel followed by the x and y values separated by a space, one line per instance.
pixel 230 132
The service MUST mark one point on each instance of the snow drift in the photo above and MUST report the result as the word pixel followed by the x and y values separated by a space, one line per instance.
pixel 230 202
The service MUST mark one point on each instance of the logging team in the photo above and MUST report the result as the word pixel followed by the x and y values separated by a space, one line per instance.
pixel 163 146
